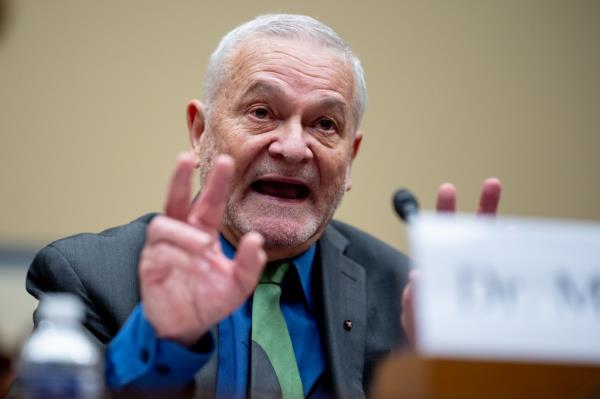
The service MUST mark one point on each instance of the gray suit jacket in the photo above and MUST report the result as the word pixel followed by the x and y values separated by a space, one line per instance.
pixel 360 279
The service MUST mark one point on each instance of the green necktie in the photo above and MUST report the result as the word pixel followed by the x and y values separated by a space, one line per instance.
pixel 270 332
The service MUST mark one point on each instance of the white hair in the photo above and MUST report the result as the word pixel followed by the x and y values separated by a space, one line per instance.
pixel 286 26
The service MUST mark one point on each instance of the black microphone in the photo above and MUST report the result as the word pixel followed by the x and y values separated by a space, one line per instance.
pixel 405 204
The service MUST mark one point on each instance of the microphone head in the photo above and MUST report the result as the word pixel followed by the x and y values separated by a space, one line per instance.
pixel 405 204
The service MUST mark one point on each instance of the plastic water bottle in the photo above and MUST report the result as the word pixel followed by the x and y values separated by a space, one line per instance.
pixel 59 360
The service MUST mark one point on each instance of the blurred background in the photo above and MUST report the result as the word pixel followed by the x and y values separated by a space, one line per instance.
pixel 93 96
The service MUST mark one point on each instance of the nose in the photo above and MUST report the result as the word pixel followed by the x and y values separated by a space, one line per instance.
pixel 291 144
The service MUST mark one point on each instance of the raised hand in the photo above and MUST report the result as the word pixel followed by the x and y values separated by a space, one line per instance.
pixel 446 202
pixel 187 283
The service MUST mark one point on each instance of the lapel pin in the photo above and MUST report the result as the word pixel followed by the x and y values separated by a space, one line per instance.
pixel 348 325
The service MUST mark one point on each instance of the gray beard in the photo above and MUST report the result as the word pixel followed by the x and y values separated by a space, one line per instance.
pixel 286 236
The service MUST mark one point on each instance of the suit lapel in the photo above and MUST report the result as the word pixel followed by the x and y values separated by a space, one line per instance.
pixel 344 312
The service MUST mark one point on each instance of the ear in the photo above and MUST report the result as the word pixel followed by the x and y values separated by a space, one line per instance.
pixel 355 147
pixel 195 122
pixel 356 144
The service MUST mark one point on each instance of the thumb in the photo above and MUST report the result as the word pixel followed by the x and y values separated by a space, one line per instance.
pixel 250 261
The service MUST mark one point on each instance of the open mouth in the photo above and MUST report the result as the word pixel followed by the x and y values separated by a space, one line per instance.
pixel 281 189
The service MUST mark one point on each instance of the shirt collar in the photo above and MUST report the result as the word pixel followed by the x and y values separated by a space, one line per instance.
pixel 303 264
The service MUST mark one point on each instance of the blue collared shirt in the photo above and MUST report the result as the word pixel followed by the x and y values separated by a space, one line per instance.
pixel 137 358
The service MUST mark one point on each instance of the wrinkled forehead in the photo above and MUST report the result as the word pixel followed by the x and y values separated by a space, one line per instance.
pixel 303 62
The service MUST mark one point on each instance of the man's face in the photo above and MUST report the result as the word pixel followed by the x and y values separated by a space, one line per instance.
pixel 286 117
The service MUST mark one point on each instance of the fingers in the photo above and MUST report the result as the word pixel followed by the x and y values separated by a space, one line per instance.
pixel 446 198
pixel 180 234
pixel 490 196
pixel 488 201
pixel 208 210
pixel 177 204
pixel 158 260
pixel 249 261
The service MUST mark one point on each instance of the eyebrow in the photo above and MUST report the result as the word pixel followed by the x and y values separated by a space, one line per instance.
pixel 264 88
pixel 332 103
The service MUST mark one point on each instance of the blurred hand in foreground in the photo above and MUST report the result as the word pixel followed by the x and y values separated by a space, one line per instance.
pixel 446 202
pixel 187 283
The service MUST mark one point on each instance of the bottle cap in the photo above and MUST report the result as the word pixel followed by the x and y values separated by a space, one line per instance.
pixel 61 306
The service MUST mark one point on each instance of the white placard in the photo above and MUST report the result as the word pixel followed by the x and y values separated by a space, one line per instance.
pixel 507 288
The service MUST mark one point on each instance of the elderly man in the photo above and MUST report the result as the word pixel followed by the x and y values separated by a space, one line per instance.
pixel 185 297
